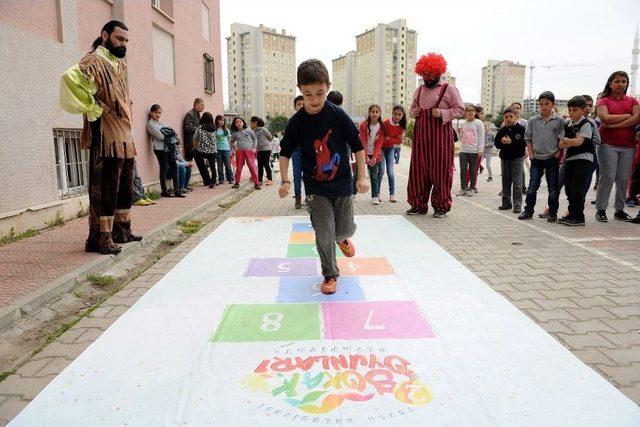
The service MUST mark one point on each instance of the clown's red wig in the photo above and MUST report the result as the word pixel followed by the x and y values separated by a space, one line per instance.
pixel 431 64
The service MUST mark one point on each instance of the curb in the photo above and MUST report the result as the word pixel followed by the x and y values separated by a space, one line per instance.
pixel 66 283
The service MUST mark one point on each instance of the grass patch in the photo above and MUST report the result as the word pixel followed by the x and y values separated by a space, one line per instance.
pixel 82 212
pixel 77 294
pixel 5 374
pixel 14 237
pixel 168 242
pixel 191 226
pixel 102 280
pixel 152 194
pixel 56 220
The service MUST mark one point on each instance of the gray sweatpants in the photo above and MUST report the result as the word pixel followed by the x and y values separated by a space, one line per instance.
pixel 332 220
pixel 615 166
pixel 468 161
pixel 512 171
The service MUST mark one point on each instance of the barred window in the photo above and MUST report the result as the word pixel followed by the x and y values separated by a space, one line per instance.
pixel 209 77
pixel 72 163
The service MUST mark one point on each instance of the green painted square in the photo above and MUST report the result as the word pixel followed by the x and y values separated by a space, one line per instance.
pixel 306 250
pixel 269 322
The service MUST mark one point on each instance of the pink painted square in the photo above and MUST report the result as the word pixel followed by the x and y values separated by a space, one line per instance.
pixel 374 319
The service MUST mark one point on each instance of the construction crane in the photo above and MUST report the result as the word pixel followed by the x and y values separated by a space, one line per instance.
pixel 531 67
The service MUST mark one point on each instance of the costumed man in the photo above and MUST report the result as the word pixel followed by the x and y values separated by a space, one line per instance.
pixel 435 104
pixel 98 88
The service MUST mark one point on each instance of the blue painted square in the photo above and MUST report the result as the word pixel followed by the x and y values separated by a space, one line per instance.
pixel 307 289
pixel 301 226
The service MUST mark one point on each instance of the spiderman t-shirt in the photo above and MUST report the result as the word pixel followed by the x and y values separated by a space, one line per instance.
pixel 324 139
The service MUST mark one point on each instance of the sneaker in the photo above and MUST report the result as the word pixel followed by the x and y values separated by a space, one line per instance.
pixel 439 214
pixel 415 211
pixel 328 286
pixel 517 210
pixel 552 218
pixel 392 199
pixel 573 222
pixel 179 194
pixel 630 203
pixel 166 194
pixel 257 187
pixel 236 185
pixel 375 200
pixel 562 220
pixel 622 216
pixel 269 182
pixel 504 208
pixel 601 216
pixel 489 179
pixel 525 215
pixel 347 248
pixel 475 190
pixel 141 202
pixel 462 192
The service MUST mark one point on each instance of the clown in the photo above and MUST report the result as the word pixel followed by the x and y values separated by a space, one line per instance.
pixel 435 105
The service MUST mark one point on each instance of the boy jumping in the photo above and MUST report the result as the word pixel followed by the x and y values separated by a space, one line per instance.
pixel 324 132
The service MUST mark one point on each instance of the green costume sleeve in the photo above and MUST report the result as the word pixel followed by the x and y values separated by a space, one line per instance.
pixel 76 94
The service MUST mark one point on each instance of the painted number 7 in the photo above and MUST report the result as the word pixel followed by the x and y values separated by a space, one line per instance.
pixel 271 322
pixel 369 327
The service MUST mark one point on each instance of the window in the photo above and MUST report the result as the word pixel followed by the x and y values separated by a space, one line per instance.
pixel 163 58
pixel 209 76
pixel 72 163
pixel 205 22
pixel 156 3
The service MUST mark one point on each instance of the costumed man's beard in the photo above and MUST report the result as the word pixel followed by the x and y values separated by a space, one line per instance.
pixel 432 82
pixel 118 52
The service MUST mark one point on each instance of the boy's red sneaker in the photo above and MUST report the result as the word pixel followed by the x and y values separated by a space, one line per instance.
pixel 329 285
pixel 347 248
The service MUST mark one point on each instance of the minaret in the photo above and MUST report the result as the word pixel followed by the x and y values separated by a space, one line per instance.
pixel 634 65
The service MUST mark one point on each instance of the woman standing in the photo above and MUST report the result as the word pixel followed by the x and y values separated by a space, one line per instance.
pixel 618 114
pixel 204 147
pixel 264 148
pixel 166 160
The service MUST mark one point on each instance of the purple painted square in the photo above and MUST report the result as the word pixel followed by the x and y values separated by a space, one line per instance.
pixel 374 319
pixel 279 267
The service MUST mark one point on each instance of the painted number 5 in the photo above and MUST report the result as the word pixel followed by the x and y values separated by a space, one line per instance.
pixel 271 322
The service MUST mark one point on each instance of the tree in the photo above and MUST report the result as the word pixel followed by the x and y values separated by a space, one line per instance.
pixel 409 132
pixel 277 123
pixel 488 118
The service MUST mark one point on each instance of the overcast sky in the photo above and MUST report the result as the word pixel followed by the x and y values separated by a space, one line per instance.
pixel 598 35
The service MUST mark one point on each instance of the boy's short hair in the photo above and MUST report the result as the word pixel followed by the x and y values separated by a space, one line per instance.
pixel 548 95
pixel 335 97
pixel 588 98
pixel 508 110
pixel 516 103
pixel 296 99
pixel 198 101
pixel 577 101
pixel 312 71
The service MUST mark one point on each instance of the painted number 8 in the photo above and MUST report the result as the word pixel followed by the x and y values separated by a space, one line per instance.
pixel 271 322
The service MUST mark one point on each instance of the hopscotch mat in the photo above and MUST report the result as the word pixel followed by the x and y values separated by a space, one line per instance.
pixel 238 334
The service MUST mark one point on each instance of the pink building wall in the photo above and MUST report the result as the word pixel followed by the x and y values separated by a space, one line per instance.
pixel 189 47
pixel 53 35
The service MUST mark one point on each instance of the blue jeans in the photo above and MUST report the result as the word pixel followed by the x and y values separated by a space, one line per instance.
pixel 396 153
pixel 224 166
pixel 184 175
pixel 539 168
pixel 296 159
pixel 388 158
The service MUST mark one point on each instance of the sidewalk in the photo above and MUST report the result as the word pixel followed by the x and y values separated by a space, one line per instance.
pixel 28 265
pixel 581 285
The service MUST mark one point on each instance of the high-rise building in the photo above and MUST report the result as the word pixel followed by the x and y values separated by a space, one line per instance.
pixel 530 107
pixel 261 71
pixel 447 77
pixel 502 84
pixel 343 80
pixel 385 58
